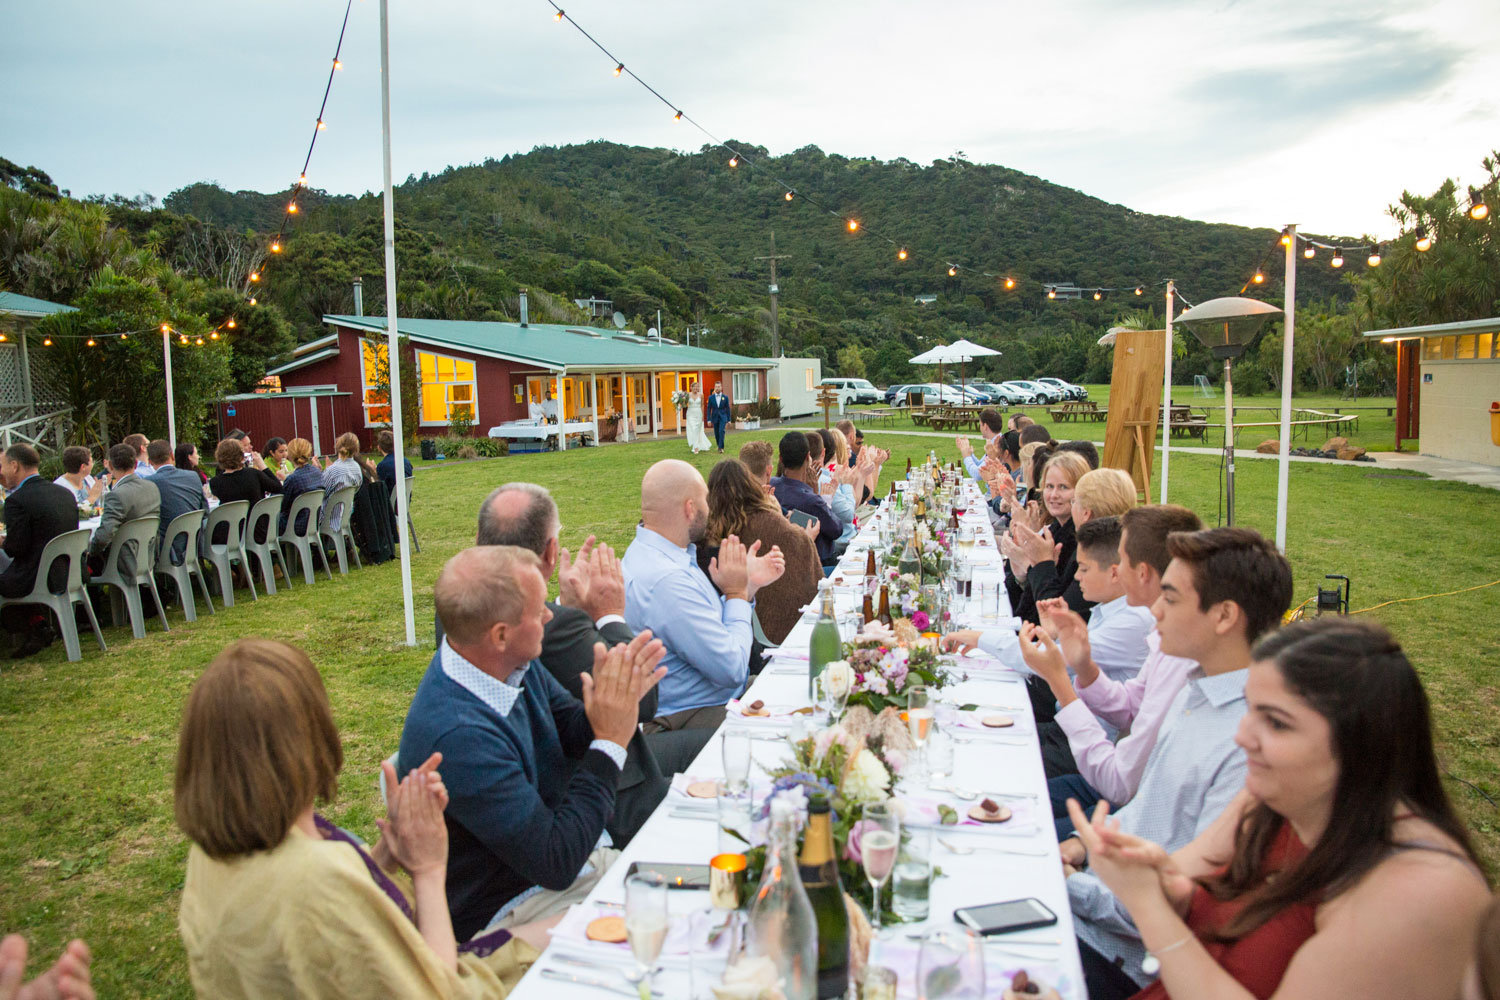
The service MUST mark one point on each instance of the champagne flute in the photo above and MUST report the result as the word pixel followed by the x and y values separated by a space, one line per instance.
pixel 645 924
pixel 878 846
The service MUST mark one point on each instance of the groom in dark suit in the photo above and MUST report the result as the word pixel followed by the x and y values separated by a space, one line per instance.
pixel 591 608
pixel 718 413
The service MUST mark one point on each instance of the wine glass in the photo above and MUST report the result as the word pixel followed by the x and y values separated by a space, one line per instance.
pixel 736 760
pixel 878 846
pixel 645 924
pixel 950 966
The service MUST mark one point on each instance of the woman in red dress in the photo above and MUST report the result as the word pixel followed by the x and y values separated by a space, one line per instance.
pixel 1341 870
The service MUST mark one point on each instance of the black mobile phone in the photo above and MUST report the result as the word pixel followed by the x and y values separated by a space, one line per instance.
pixel 1002 918
pixel 677 876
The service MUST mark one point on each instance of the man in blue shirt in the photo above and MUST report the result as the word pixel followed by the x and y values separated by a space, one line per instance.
pixel 792 491
pixel 708 636
pixel 530 771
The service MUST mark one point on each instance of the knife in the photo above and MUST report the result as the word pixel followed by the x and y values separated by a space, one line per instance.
pixel 603 984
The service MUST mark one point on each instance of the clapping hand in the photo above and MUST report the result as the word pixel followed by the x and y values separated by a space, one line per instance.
pixel 413 829
pixel 1135 870
pixel 621 676
pixel 68 979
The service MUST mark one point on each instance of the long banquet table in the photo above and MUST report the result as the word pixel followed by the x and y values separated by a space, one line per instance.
pixel 1014 860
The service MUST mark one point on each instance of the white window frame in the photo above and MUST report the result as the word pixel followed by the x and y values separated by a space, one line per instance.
pixel 448 401
pixel 734 387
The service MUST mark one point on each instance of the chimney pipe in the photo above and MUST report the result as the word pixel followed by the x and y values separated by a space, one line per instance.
pixel 359 296
pixel 524 316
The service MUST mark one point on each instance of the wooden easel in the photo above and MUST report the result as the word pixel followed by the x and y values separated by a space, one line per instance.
pixel 1135 406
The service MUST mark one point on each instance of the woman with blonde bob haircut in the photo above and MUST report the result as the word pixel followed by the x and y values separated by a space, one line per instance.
pixel 1102 493
pixel 280 902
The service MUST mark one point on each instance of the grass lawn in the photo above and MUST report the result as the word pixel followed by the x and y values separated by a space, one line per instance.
pixel 88 846
pixel 1376 431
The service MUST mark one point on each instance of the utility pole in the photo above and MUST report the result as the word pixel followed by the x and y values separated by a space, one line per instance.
pixel 773 258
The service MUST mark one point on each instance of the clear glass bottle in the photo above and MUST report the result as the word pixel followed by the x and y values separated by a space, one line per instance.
pixel 782 927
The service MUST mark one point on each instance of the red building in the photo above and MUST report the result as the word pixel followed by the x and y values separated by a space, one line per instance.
pixel 493 372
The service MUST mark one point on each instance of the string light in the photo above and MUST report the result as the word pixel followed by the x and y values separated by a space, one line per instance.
pixel 1338 257
pixel 1424 242
pixel 1478 210
pixel 1374 259
pixel 901 254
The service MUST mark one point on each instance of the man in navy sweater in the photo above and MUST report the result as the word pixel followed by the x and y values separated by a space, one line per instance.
pixel 530 772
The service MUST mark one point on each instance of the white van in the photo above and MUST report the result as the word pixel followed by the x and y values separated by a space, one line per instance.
pixel 854 390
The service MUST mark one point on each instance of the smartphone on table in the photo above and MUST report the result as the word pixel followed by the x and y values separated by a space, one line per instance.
pixel 1003 918
pixel 676 876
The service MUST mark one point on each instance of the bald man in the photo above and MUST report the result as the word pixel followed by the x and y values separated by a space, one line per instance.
pixel 707 636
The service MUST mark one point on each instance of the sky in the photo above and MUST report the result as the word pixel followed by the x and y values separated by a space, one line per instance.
pixel 1318 112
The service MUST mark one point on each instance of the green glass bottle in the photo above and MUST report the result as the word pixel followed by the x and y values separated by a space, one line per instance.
pixel 820 877
pixel 824 646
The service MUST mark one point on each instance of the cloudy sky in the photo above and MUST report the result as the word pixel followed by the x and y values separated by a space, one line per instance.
pixel 1318 112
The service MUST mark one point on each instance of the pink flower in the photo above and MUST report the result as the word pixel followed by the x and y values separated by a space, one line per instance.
pixel 856 833
pixel 920 621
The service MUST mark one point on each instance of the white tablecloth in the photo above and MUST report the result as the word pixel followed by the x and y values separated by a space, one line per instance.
pixel 1007 762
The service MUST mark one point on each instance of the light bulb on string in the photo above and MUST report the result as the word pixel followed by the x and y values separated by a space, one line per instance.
pixel 1374 259
pixel 1424 242
pixel 1478 210
pixel 619 68
pixel 1338 257
pixel 1309 251
pixel 901 254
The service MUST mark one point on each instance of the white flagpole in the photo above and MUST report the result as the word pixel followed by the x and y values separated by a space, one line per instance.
pixel 1166 393
pixel 393 358
pixel 1284 446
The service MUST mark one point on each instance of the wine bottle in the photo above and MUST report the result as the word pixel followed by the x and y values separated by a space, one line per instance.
pixel 885 607
pixel 820 876
pixel 823 647
pixel 782 926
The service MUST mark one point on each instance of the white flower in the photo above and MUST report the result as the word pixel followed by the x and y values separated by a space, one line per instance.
pixel 867 780
pixel 837 678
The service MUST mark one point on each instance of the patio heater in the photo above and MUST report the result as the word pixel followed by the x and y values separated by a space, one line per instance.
pixel 1226 327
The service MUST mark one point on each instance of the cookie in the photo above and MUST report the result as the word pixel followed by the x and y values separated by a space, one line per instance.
pixel 980 814
pixel 997 721
pixel 703 790
pixel 610 930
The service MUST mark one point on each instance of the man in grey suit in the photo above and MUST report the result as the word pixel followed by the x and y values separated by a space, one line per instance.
pixel 130 497
pixel 591 609
pixel 181 491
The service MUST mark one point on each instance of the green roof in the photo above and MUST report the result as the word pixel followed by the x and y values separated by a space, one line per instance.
pixel 15 304
pixel 555 346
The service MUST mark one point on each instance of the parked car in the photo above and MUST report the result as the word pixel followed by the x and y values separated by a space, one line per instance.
pixel 999 393
pixel 1068 389
pixel 1046 395
pixel 853 390
pixel 932 393
pixel 1022 393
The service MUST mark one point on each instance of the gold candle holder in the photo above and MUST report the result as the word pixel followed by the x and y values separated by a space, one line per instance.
pixel 726 881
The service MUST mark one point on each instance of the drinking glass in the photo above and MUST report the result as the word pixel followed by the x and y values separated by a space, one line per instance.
pixel 878 846
pixel 736 760
pixel 911 880
pixel 736 819
pixel 645 924
pixel 950 965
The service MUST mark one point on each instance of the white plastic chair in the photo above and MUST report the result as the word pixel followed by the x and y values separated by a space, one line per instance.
pixel 262 521
pixel 70 545
pixel 183 574
pixel 340 507
pixel 137 536
pixel 223 555
pixel 306 541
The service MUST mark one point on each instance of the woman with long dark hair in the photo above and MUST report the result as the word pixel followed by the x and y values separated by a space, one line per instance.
pixel 739 505
pixel 1341 870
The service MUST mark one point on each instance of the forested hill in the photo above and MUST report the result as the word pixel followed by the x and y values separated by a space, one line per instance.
pixel 655 229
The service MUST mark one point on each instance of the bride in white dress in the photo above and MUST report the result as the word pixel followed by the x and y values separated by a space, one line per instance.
pixel 696 435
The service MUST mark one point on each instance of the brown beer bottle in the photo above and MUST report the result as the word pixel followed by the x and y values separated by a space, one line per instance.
pixel 885 606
